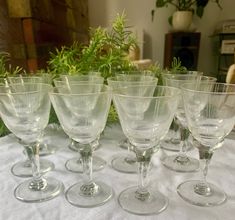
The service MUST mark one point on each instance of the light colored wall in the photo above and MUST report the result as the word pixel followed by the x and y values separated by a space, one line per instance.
pixel 102 12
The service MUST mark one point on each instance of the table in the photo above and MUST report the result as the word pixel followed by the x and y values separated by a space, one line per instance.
pixel 221 172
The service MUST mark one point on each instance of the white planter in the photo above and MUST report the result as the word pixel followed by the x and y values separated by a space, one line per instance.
pixel 182 20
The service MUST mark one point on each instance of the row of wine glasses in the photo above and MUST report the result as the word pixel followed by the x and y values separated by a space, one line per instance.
pixel 145 111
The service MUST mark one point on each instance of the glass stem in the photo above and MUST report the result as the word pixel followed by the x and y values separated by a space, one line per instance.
pixel 182 157
pixel 89 187
pixel 143 159
pixel 203 188
pixel 32 150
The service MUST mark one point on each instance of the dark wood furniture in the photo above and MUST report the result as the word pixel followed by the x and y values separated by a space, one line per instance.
pixel 182 45
pixel 30 29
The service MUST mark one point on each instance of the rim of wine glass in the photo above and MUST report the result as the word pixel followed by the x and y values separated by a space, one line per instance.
pixel 72 82
pixel 81 75
pixel 132 72
pixel 21 93
pixel 183 87
pixel 114 79
pixel 176 93
pixel 107 88
pixel 174 76
pixel 183 72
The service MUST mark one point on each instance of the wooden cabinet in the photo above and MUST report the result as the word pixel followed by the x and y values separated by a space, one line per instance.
pixel 182 45
pixel 224 54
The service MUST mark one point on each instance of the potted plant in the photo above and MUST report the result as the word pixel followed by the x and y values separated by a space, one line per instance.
pixel 182 17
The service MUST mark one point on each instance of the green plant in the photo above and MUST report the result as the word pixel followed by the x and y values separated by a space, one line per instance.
pixel 106 52
pixel 5 68
pixel 196 6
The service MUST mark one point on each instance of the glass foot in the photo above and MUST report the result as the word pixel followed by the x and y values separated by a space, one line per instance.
pixel 52 189
pixel 155 203
pixel 181 164
pixel 186 190
pixel 75 164
pixel 45 149
pixel 23 169
pixel 124 144
pixel 76 197
pixel 73 147
pixel 125 164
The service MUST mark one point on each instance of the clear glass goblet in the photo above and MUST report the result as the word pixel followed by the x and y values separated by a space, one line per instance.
pixel 210 112
pixel 45 148
pixel 145 120
pixel 82 111
pixel 75 164
pixel 181 162
pixel 127 163
pixel 23 168
pixel 25 111
pixel 172 141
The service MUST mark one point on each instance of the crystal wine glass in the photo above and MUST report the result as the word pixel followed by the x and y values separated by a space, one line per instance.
pixel 172 140
pixel 210 112
pixel 181 162
pixel 45 148
pixel 23 168
pixel 145 120
pixel 127 163
pixel 25 111
pixel 75 164
pixel 82 111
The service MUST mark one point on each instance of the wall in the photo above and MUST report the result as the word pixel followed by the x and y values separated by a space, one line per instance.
pixel 102 12
pixel 29 29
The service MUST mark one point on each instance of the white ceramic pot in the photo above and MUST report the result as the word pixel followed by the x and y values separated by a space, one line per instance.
pixel 182 20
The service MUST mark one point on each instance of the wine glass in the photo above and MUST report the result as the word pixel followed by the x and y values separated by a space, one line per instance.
pixel 82 114
pixel 210 113
pixel 172 140
pixel 145 125
pixel 23 168
pixel 25 111
pixel 75 164
pixel 127 163
pixel 181 162
pixel 45 148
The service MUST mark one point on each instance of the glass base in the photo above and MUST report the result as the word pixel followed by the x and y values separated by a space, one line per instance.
pixel 76 197
pixel 52 189
pixel 75 164
pixel 125 164
pixel 24 169
pixel 186 190
pixel 73 146
pixel 45 149
pixel 124 144
pixel 174 145
pixel 176 163
pixel 154 204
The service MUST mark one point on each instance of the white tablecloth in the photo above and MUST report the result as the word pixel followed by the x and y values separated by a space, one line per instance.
pixel 221 172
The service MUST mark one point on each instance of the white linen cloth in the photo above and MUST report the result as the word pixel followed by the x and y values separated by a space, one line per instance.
pixel 221 173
